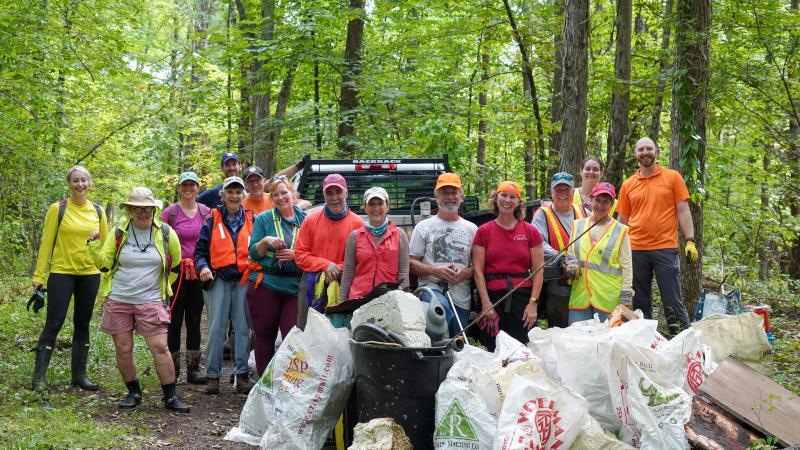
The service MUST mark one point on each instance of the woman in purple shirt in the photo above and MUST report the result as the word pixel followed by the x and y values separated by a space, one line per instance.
pixel 186 217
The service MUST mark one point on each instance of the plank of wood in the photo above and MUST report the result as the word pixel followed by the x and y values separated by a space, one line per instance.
pixel 755 399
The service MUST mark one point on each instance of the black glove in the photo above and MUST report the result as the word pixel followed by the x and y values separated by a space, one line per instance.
pixel 37 299
pixel 302 163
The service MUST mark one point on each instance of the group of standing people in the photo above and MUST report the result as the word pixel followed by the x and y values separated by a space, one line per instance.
pixel 242 252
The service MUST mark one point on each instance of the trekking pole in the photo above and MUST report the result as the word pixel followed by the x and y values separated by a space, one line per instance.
pixel 523 281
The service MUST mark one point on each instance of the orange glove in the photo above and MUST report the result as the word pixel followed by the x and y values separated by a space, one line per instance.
pixel 189 271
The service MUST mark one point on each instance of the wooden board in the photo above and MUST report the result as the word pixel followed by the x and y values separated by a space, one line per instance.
pixel 755 399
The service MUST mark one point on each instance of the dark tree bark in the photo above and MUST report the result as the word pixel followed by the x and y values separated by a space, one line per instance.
pixel 663 67
pixel 266 159
pixel 348 97
pixel 574 88
pixel 620 97
pixel 689 111
pixel 764 244
pixel 260 89
pixel 483 127
pixel 793 158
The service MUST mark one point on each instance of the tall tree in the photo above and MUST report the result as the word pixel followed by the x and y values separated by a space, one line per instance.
pixel 689 111
pixel 793 149
pixel 574 85
pixel 663 67
pixel 620 96
pixel 483 126
pixel 348 97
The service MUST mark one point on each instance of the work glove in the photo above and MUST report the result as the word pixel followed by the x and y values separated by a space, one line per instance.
pixel 189 271
pixel 626 298
pixel 690 250
pixel 490 326
pixel 571 271
pixel 37 300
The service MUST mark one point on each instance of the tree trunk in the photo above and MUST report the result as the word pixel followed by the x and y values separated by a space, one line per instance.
pixel 793 158
pixel 663 67
pixel 764 244
pixel 483 127
pixel 620 97
pixel 555 88
pixel 261 79
pixel 574 88
pixel 245 132
pixel 689 110
pixel 348 97
pixel 266 160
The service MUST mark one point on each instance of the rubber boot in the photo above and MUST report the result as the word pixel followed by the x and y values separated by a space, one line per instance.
pixel 176 361
pixel 171 399
pixel 212 387
pixel 193 375
pixel 80 353
pixel 134 395
pixel 243 384
pixel 43 354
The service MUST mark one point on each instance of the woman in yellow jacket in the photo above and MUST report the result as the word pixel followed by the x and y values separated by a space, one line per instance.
pixel 72 274
pixel 604 273
pixel 137 259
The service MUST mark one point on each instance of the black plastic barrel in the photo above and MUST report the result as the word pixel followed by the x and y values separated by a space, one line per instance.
pixel 400 382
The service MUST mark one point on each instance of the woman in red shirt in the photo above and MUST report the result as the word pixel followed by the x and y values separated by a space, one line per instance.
pixel 504 252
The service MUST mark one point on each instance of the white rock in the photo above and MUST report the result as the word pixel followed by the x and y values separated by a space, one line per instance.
pixel 398 312
pixel 380 434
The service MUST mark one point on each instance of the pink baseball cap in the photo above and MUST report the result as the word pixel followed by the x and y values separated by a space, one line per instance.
pixel 334 179
pixel 604 188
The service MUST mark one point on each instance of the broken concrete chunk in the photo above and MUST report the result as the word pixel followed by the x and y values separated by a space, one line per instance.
pixel 398 312
pixel 380 434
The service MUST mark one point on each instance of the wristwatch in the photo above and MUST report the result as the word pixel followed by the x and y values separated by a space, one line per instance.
pixel 532 299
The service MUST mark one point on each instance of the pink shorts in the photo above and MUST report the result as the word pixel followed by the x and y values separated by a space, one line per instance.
pixel 148 319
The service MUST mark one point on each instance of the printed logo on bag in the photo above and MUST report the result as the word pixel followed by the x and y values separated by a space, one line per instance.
pixel 655 397
pixel 296 373
pixel 266 379
pixel 455 425
pixel 539 414
pixel 694 373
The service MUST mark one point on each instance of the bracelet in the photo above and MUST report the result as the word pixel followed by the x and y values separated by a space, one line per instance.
pixel 532 299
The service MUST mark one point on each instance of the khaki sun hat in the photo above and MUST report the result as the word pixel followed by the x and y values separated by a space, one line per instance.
pixel 141 196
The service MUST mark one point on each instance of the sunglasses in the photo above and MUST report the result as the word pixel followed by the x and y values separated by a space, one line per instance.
pixel 563 176
pixel 143 209
pixel 278 178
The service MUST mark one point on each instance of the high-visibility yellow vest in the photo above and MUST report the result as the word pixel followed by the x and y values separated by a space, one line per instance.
pixel 600 282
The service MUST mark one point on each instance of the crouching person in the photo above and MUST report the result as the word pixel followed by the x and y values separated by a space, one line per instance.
pixel 136 259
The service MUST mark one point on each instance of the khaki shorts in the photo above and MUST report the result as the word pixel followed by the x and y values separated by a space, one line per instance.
pixel 148 319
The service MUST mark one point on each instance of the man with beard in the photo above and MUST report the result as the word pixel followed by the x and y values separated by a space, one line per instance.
pixel 654 202
pixel 555 225
pixel 441 252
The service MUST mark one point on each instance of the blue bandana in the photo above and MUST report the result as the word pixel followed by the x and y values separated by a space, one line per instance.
pixel 333 216
pixel 380 229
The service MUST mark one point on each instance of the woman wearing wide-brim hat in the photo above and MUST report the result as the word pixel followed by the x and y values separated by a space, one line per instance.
pixel 137 258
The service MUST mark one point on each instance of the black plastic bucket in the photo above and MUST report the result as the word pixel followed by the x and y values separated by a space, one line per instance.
pixel 400 382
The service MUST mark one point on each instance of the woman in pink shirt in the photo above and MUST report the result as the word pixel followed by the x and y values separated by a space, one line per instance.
pixel 504 252
pixel 186 217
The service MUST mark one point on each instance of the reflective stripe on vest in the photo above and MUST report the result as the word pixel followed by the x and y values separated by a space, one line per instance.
pixel 224 252
pixel 601 275
pixel 558 236
pixel 375 264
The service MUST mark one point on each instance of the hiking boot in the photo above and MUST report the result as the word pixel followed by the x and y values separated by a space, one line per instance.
pixel 43 354
pixel 134 397
pixel 193 375
pixel 243 384
pixel 80 353
pixel 176 361
pixel 212 386
pixel 172 401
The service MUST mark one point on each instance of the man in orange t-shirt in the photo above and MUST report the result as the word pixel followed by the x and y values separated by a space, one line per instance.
pixel 654 202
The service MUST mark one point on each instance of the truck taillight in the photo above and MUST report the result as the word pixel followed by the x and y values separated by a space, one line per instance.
pixel 376 166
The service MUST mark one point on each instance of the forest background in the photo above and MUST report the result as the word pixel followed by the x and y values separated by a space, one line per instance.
pixel 138 91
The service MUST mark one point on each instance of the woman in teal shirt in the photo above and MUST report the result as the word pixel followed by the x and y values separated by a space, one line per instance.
pixel 273 277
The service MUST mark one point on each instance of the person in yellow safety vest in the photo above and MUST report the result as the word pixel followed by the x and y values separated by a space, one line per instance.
pixel 555 225
pixel 603 272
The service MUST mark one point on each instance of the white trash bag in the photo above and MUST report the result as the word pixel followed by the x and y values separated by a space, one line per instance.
pixel 467 408
pixel 687 353
pixel 651 408
pixel 507 349
pixel 539 413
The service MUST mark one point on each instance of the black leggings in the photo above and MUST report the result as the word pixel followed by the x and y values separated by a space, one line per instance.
pixel 510 313
pixel 189 308
pixel 60 288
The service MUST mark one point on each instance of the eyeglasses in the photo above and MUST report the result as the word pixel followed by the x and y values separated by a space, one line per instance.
pixel 563 176
pixel 143 209
pixel 278 178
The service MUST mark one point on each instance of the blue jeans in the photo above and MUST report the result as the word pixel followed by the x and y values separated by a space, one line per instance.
pixel 226 299
pixel 579 315
pixel 452 323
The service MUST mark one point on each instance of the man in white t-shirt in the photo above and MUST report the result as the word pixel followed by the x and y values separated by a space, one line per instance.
pixel 441 252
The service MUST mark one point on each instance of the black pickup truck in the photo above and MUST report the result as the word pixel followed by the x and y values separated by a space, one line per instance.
pixel 409 181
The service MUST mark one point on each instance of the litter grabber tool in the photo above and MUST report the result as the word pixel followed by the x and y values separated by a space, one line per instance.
pixel 37 300
pixel 530 276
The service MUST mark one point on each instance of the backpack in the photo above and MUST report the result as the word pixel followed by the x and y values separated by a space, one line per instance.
pixel 62 209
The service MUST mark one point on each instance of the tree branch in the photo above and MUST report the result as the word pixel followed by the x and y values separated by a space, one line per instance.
pixel 117 130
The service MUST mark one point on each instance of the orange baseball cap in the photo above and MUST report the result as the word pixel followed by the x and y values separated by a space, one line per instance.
pixel 448 179
pixel 509 187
